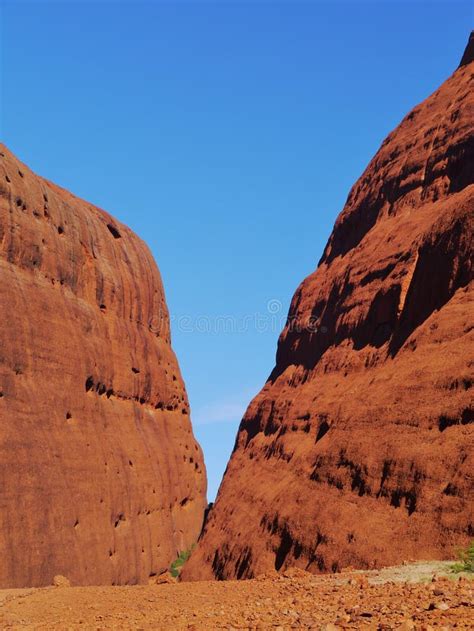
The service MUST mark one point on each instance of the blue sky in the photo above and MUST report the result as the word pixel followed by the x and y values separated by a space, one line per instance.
pixel 227 135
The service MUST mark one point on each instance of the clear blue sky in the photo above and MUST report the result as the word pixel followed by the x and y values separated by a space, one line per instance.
pixel 227 135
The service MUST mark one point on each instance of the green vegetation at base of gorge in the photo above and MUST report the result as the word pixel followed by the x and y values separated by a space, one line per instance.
pixel 466 560
pixel 178 563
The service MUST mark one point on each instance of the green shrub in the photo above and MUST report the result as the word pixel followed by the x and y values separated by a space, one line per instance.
pixel 178 563
pixel 466 559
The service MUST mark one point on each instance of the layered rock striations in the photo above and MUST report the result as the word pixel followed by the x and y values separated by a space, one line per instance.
pixel 101 479
pixel 359 450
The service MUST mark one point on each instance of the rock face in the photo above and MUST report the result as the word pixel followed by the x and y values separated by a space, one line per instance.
pixel 101 479
pixel 359 450
pixel 468 56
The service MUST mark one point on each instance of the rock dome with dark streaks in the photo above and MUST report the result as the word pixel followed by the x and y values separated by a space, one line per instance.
pixel 359 450
pixel 101 479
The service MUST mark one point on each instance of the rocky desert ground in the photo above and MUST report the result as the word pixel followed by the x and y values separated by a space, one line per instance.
pixel 418 597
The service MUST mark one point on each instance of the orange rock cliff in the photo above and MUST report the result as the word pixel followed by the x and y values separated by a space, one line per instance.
pixel 101 479
pixel 359 450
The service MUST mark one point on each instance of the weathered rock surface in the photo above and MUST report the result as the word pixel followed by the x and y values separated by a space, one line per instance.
pixel 359 450
pixel 101 479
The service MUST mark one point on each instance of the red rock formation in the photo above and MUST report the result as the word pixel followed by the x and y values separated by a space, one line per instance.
pixel 101 479
pixel 359 450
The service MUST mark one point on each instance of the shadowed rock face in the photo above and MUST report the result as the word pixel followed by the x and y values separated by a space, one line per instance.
pixel 359 450
pixel 468 56
pixel 101 479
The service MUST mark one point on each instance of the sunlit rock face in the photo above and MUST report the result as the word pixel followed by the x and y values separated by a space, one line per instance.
pixel 101 479
pixel 359 450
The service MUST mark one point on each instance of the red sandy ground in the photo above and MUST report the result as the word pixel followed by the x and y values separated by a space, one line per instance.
pixel 382 600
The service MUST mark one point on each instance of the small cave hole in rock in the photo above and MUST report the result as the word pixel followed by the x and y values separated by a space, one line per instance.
pixel 89 383
pixel 322 431
pixel 451 489
pixel 20 173
pixel 7 178
pixel 445 421
pixel 113 231
pixel 410 502
pixel 298 551
pixel 119 520
pixel 68 416
pixel 60 230
pixel 1 395
pixel 135 370
pixel 286 543
pixel 101 389
pixel 103 307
